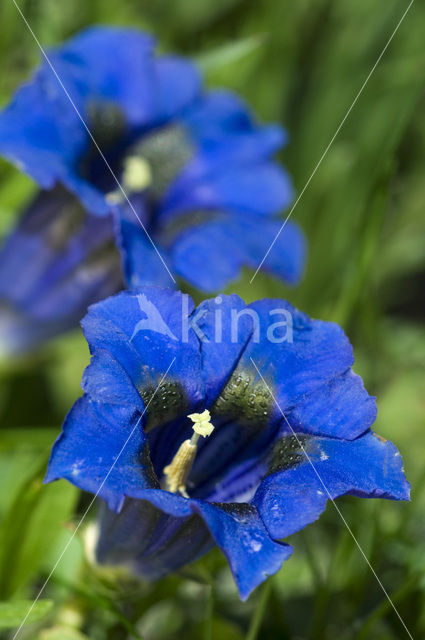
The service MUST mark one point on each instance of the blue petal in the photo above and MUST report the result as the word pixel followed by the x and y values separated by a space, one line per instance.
pixel 218 113
pixel 52 266
pixel 207 257
pixel 236 528
pixel 148 333
pixel 231 463
pixel 368 467
pixel 244 148
pixel 225 132
pixel 221 114
pixel 142 264
pixel 177 84
pixel 220 349
pixel 304 356
pixel 31 134
pixel 105 380
pixel 239 479
pixel 41 130
pixel 112 65
pixel 149 541
pixel 95 436
pixel 288 255
pixel 241 535
pixel 306 366
pixel 211 255
pixel 341 408
pixel 91 198
pixel 261 188
pixel 232 167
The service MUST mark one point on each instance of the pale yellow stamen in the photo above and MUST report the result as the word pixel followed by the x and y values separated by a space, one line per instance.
pixel 177 472
pixel 137 174
pixel 201 423
pixel 114 197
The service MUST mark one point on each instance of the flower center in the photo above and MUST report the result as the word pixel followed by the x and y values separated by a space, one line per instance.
pixel 177 472
pixel 152 163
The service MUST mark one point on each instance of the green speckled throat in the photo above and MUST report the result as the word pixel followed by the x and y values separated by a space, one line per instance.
pixel 247 403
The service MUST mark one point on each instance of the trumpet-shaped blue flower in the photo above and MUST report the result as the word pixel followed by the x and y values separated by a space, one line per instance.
pixel 195 165
pixel 226 425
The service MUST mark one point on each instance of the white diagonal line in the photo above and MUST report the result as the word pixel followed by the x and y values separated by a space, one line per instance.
pixel 332 140
pixel 91 504
pixel 102 155
pixel 333 501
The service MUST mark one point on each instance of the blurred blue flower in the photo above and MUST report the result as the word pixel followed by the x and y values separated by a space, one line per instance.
pixel 204 456
pixel 196 166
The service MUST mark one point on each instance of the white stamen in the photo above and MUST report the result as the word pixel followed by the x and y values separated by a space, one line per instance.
pixel 114 197
pixel 201 423
pixel 137 174
pixel 177 472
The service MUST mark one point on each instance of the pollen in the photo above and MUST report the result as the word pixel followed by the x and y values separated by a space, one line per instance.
pixel 177 472
pixel 137 174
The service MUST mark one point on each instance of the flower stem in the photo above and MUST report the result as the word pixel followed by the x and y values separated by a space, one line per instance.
pixel 209 614
pixel 259 612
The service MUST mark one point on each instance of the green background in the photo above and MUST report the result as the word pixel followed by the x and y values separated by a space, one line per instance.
pixel 302 64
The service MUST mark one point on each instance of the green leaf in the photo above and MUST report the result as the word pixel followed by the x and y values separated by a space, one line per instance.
pixel 220 628
pixel 229 53
pixel 61 633
pixel 13 613
pixel 260 610
pixel 13 194
pixel 32 524
pixel 69 356
pixel 161 620
pixel 21 451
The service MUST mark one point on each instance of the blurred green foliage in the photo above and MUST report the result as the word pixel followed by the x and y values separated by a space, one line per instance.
pixel 301 64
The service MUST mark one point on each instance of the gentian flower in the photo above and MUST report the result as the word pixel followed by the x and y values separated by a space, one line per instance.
pixel 196 167
pixel 215 426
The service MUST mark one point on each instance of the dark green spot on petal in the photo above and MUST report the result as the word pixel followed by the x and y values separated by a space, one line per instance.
pixel 245 402
pixel 166 151
pixel 287 453
pixel 107 123
pixel 163 404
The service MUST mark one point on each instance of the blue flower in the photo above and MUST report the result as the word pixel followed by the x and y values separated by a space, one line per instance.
pixel 189 446
pixel 52 267
pixel 196 166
